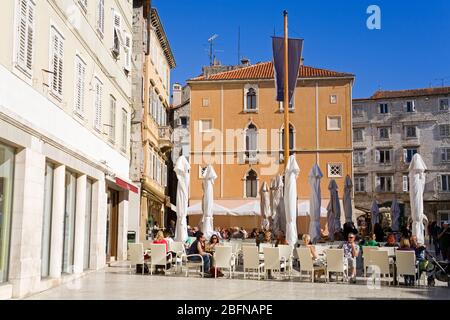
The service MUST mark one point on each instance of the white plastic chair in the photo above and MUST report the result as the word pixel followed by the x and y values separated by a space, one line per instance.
pixel 136 255
pixel 180 251
pixel 335 263
pixel 380 261
pixel 406 263
pixel 158 256
pixel 147 244
pixel 306 262
pixel 286 252
pixel 273 261
pixel 224 258
pixel 367 258
pixel 251 260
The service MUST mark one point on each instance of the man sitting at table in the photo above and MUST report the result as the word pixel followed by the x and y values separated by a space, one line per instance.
pixel 351 251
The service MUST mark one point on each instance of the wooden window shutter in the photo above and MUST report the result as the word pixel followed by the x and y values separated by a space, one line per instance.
pixel 377 156
pixel 439 182
pixel 80 69
pixel 57 66
pixel 405 183
pixel 98 105
pixel 127 46
pixel 101 16
pixel 25 35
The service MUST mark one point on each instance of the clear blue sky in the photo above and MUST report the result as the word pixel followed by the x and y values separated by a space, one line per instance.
pixel 411 50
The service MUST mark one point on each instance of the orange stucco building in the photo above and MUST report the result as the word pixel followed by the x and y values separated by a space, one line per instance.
pixel 237 107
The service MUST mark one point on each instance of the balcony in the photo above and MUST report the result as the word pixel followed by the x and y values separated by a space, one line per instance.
pixel 165 138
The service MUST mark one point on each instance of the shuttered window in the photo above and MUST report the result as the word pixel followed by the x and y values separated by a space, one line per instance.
pixel 112 120
pixel 124 129
pixel 117 40
pixel 80 75
pixel 57 54
pixel 127 50
pixel 25 35
pixel 98 104
pixel 101 16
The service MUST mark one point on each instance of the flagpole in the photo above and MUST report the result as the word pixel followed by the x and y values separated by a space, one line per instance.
pixel 286 90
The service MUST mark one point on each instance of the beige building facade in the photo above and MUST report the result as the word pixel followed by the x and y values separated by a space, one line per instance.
pixel 65 111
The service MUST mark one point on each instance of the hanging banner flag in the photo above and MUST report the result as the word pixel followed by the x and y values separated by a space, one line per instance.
pixel 295 48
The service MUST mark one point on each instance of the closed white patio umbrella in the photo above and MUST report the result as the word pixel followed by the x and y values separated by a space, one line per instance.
pixel 265 206
pixel 277 205
pixel 334 210
pixel 208 201
pixel 375 213
pixel 290 200
pixel 315 203
pixel 416 187
pixel 181 169
pixel 395 215
pixel 347 200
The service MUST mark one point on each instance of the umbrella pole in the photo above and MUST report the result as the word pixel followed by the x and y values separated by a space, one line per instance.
pixel 286 90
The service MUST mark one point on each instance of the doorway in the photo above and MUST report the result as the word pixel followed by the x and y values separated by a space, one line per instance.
pixel 112 225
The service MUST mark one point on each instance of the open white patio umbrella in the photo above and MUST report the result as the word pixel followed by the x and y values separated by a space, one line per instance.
pixel 395 215
pixel 375 213
pixel 416 187
pixel 208 201
pixel 265 206
pixel 277 205
pixel 315 203
pixel 290 200
pixel 347 200
pixel 334 210
pixel 182 168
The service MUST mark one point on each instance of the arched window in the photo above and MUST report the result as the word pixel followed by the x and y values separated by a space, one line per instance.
pixel 251 99
pixel 251 140
pixel 251 184
pixel 291 138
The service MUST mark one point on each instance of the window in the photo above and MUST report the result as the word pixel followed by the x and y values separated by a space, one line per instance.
pixel 445 155
pixel 291 138
pixel 127 50
pixel 251 141
pixel 359 157
pixel 333 99
pixel 383 132
pixel 443 215
pixel 205 125
pixel 112 120
pixel 24 36
pixel 360 184
pixel 405 184
pixel 150 164
pixel 56 63
pixel 69 222
pixel 251 100
pixel 201 171
pixel 383 156
pixel 183 121
pixel 383 108
pixel 101 17
pixel 334 123
pixel 6 199
pixel 335 170
pixel 444 130
pixel 47 220
pixel 358 111
pixel 117 40
pixel 444 181
pixel 87 224
pixel 411 131
pixel 410 106
pixel 408 154
pixel 251 185
pixel 124 130
pixel 98 103
pixel 205 102
pixel 80 73
pixel 358 135
pixel 444 104
pixel 83 4
pixel 385 184
pixel 164 175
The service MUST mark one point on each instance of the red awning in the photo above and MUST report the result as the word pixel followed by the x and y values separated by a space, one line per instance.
pixel 125 185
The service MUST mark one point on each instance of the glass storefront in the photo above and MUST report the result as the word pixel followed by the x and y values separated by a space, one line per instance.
pixel 69 223
pixel 6 192
pixel 47 220
pixel 87 225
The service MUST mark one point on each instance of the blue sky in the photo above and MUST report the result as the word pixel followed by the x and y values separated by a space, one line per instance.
pixel 412 49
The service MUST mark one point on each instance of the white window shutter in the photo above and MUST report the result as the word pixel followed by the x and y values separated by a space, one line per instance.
pixel 98 105
pixel 405 155
pixel 413 105
pixel 405 183
pixel 101 16
pixel 25 35
pixel 127 52
pixel 57 63
pixel 391 155
pixel 377 156
pixel 377 184
pixel 439 182
pixel 80 69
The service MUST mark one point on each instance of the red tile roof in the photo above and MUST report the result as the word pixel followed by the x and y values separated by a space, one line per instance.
pixel 379 95
pixel 265 70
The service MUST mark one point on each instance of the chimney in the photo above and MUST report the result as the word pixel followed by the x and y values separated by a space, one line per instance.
pixel 245 62
pixel 176 94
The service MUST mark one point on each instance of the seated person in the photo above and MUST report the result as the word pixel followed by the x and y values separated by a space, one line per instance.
pixel 281 239
pixel 390 241
pixel 159 239
pixel 370 241
pixel 406 246
pixel 420 251
pixel 199 247
pixel 213 242
pixel 351 252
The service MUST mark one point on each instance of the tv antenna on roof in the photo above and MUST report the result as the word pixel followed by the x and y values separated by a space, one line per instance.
pixel 212 56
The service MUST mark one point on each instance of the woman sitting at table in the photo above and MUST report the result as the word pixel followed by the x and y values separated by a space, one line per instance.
pixel 281 239
pixel 406 246
pixel 318 262
pixel 159 239
pixel 390 241
pixel 199 248
pixel 213 242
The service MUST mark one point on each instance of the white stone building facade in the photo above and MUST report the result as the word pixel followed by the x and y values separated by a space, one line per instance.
pixel 65 108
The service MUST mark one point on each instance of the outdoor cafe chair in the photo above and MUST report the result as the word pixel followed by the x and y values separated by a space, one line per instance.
pixel 306 263
pixel 286 252
pixel 406 264
pixel 251 260
pixel 335 263
pixel 273 261
pixel 380 263
pixel 136 254
pixel 225 259
pixel 147 244
pixel 189 264
pixel 367 257
pixel 180 251
pixel 158 256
